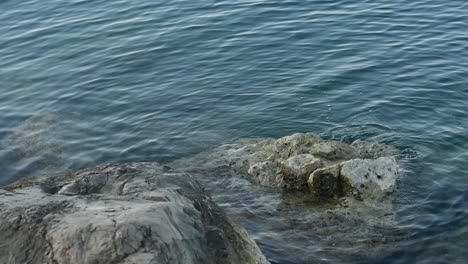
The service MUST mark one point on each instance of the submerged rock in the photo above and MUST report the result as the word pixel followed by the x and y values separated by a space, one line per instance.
pixel 373 150
pixel 120 213
pixel 325 198
pixel 309 197
pixel 43 144
pixel 330 169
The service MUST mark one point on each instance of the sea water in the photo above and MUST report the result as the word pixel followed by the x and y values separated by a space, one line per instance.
pixel 91 82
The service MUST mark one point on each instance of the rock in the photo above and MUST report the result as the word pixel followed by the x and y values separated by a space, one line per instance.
pixel 286 147
pixel 266 173
pixel 289 162
pixel 334 150
pixel 330 169
pixel 297 169
pixel 290 174
pixel 43 144
pixel 326 182
pixel 307 191
pixel 119 213
pixel 370 178
pixel 373 150
pixel 361 178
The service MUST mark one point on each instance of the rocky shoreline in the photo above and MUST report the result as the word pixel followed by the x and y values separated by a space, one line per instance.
pixel 153 213
pixel 118 213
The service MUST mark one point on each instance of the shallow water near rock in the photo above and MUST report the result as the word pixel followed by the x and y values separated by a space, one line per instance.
pixel 92 82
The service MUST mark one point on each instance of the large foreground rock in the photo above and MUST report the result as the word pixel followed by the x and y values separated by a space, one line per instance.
pixel 121 213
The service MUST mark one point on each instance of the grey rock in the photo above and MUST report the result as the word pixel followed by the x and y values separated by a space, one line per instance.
pixel 289 162
pixel 42 144
pixel 370 178
pixel 288 146
pixel 301 186
pixel 333 150
pixel 297 170
pixel 361 178
pixel 373 150
pixel 119 213
pixel 266 173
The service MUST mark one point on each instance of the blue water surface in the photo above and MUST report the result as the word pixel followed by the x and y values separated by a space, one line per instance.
pixel 92 81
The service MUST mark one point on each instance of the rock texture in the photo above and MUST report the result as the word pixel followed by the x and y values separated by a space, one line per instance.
pixel 302 162
pixel 324 198
pixel 327 199
pixel 369 178
pixel 120 213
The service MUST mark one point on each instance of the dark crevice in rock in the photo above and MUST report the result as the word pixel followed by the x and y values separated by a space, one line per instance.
pixel 122 186
pixel 51 253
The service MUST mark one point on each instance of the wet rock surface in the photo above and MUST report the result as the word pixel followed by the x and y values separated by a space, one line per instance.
pixel 119 213
pixel 326 199
pixel 303 197
pixel 305 161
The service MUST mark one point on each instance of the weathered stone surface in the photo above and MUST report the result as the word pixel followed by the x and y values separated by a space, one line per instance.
pixel 373 150
pixel 120 213
pixel 361 178
pixel 266 173
pixel 288 146
pixel 326 182
pixel 333 151
pixel 291 173
pixel 320 209
pixel 297 169
pixel 370 178
pixel 290 162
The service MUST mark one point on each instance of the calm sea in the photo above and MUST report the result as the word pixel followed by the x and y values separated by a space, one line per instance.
pixel 86 82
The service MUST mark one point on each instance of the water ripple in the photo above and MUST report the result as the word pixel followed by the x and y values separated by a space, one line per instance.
pixel 87 82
